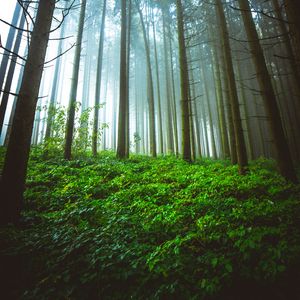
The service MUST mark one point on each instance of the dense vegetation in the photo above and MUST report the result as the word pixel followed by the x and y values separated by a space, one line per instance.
pixel 144 228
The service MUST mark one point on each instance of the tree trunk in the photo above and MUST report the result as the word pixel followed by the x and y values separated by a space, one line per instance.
pixel 8 45
pixel 150 87
pixel 16 160
pixel 74 85
pixel 184 85
pixel 234 103
pixel 10 72
pixel 53 96
pixel 282 150
pixel 160 128
pixel 121 147
pixel 98 82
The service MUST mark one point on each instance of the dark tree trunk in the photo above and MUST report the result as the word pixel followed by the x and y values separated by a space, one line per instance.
pixel 184 85
pixel 16 160
pixel 234 103
pixel 121 147
pixel 282 150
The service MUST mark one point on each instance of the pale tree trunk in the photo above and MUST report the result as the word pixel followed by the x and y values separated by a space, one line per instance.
pixel 209 113
pixel 98 83
pixel 10 73
pixel 9 43
pixel 221 105
pixel 169 136
pixel 16 159
pixel 74 85
pixel 149 88
pixel 160 128
pixel 284 159
pixel 53 95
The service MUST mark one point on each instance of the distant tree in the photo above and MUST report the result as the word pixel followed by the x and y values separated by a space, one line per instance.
pixel 53 95
pixel 74 85
pixel 9 44
pixel 150 89
pixel 11 70
pixel 98 82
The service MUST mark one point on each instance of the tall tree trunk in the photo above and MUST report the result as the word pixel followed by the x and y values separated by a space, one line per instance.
pixel 128 79
pixel 16 159
pixel 10 72
pixel 220 104
pixel 234 103
pixel 74 85
pixel 150 87
pixel 169 135
pixel 9 43
pixel 98 82
pixel 184 85
pixel 288 45
pixel 283 153
pixel 209 113
pixel 53 95
pixel 160 127
pixel 292 8
pixel 121 147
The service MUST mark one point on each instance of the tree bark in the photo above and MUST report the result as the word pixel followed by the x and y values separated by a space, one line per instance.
pixel 234 102
pixel 74 85
pixel 121 147
pixel 16 159
pixel 184 86
pixel 282 150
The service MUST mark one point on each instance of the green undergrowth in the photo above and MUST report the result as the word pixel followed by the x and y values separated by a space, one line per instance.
pixel 148 228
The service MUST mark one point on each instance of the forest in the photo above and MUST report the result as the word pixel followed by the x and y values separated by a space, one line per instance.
pixel 150 149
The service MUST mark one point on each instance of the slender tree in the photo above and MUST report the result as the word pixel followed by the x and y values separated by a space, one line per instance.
pixel 98 82
pixel 9 43
pixel 150 88
pixel 16 159
pixel 184 85
pixel 53 95
pixel 11 70
pixel 121 147
pixel 74 85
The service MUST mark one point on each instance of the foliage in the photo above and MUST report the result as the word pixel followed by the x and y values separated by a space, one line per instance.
pixel 154 229
pixel 82 141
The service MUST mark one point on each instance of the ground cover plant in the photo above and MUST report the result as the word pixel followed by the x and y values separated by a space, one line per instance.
pixel 144 228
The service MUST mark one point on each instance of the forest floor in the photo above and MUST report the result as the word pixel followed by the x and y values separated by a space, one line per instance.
pixel 148 228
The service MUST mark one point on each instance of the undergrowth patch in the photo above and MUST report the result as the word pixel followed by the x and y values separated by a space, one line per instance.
pixel 153 229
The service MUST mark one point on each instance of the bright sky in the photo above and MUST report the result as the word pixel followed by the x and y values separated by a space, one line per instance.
pixel 6 12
